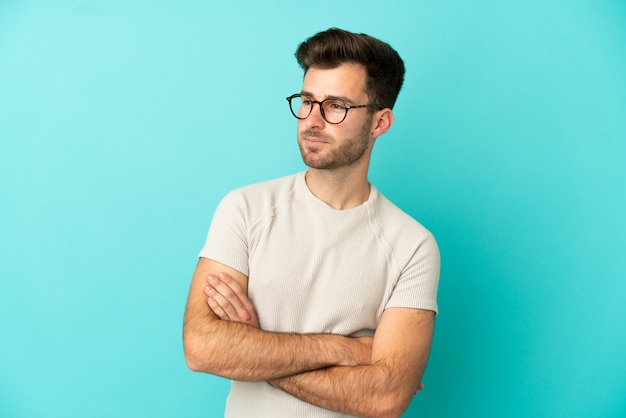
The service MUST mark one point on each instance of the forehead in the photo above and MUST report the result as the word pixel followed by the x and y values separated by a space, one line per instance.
pixel 346 81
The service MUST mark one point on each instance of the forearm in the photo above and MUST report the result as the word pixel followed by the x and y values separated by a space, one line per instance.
pixel 383 388
pixel 240 352
pixel 366 391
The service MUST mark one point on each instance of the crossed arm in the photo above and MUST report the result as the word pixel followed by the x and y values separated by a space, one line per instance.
pixel 357 376
pixel 238 351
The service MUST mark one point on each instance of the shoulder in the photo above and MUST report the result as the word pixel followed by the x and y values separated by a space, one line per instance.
pixel 277 185
pixel 263 195
pixel 269 189
pixel 399 226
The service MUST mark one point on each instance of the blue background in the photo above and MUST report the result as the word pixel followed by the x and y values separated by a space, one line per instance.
pixel 122 124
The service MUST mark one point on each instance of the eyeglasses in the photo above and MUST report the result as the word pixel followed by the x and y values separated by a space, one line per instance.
pixel 333 110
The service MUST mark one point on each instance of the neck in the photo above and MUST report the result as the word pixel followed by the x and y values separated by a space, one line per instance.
pixel 339 189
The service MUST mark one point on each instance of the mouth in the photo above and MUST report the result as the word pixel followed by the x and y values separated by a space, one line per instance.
pixel 311 138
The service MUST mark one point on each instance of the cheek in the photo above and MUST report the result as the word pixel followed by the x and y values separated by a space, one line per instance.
pixel 301 125
pixel 360 131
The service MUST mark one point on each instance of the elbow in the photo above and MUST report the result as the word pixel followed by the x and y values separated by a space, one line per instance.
pixel 200 356
pixel 194 360
pixel 390 411
pixel 390 405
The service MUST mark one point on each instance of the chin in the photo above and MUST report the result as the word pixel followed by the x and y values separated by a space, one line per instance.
pixel 314 163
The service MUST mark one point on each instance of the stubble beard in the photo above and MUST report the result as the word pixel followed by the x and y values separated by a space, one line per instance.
pixel 350 151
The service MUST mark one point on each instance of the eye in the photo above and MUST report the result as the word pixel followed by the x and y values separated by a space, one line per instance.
pixel 335 105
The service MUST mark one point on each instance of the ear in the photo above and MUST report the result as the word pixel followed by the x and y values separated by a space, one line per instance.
pixel 382 121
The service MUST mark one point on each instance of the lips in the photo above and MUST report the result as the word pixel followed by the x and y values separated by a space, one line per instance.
pixel 313 138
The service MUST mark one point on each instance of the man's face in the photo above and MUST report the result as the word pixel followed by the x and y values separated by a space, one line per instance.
pixel 327 146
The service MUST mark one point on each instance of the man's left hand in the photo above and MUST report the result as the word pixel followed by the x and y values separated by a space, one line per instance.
pixel 229 301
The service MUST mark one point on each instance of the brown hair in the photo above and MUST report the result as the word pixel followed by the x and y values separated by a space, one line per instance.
pixel 334 47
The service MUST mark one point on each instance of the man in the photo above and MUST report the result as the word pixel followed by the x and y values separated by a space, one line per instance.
pixel 314 293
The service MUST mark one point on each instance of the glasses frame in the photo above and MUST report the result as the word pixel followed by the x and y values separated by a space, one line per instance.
pixel 321 106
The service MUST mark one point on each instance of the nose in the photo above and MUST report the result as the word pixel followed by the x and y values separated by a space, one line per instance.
pixel 315 119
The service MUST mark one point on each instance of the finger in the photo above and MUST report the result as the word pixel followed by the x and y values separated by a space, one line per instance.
pixel 217 302
pixel 225 310
pixel 420 387
pixel 217 309
pixel 245 311
pixel 221 305
pixel 231 297
pixel 234 286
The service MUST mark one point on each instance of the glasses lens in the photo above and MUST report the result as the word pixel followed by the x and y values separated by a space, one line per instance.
pixel 334 110
pixel 300 108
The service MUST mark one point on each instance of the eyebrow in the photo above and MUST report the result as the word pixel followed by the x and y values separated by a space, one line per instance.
pixel 342 98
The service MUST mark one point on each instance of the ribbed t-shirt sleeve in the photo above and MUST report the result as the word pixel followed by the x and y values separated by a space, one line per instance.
pixel 227 239
pixel 419 280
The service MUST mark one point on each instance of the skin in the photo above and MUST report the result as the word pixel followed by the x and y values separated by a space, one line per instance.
pixel 359 376
pixel 338 156
pixel 240 352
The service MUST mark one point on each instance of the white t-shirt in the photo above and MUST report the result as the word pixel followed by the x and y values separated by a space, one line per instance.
pixel 315 269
